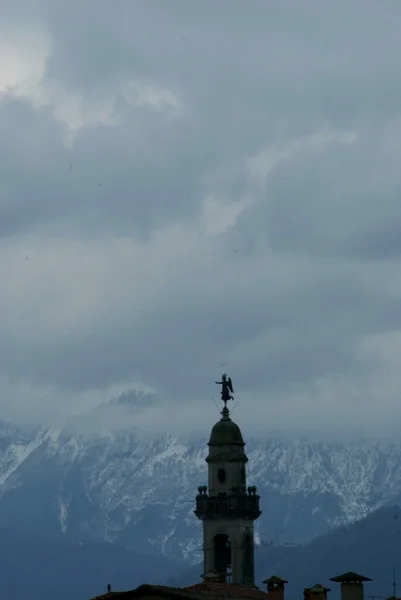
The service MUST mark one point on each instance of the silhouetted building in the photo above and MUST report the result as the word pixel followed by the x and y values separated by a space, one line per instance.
pixel 227 507
pixel 317 592
pixel 275 587
pixel 199 591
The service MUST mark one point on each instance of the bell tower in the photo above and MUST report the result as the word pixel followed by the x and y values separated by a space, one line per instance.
pixel 227 507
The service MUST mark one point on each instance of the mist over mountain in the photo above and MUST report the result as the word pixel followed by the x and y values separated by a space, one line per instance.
pixel 124 485
pixel 103 499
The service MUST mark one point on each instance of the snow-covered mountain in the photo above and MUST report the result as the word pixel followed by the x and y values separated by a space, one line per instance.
pixel 138 491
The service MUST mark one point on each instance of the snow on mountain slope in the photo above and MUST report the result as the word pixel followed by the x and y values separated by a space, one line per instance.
pixel 139 492
pixel 15 446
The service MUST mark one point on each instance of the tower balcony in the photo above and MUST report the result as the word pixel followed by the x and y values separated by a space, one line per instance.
pixel 244 506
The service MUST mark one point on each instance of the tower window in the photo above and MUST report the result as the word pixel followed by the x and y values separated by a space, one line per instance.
pixel 221 475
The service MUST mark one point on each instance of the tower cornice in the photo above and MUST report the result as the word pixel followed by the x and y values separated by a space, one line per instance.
pixel 226 457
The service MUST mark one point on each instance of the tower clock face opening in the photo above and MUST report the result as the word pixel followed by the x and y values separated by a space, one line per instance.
pixel 221 475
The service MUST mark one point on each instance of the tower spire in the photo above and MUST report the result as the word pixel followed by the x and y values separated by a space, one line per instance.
pixel 226 506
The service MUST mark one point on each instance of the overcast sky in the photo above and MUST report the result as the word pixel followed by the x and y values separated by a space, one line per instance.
pixel 192 187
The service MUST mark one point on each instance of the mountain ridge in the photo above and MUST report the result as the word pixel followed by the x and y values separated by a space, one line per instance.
pixel 131 488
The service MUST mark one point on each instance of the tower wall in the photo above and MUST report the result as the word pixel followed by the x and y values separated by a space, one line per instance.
pixel 226 509
pixel 236 530
pixel 221 463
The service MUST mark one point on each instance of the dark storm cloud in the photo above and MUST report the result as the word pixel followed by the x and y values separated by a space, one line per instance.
pixel 186 185
pixel 341 201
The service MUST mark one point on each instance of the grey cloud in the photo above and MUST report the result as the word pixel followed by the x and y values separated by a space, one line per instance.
pixel 294 325
pixel 340 201
pixel 288 295
pixel 141 186
pixel 328 63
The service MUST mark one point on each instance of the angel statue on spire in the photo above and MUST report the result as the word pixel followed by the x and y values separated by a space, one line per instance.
pixel 226 388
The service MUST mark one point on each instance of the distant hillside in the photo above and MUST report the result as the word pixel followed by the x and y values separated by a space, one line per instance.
pixel 370 546
pixel 44 568
pixel 41 568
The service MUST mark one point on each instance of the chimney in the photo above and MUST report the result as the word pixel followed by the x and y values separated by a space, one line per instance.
pixel 351 585
pixel 317 592
pixel 275 587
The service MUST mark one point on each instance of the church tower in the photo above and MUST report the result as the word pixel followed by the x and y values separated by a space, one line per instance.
pixel 227 507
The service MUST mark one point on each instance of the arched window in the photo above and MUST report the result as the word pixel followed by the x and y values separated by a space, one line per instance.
pixel 222 553
pixel 221 475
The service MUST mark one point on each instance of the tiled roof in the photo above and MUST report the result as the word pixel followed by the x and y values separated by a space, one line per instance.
pixel 275 579
pixel 112 596
pixel 199 591
pixel 141 590
pixel 317 588
pixel 227 590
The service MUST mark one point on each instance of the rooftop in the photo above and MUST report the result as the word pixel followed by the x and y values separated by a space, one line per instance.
pixel 193 592
pixel 226 590
pixel 350 577
pixel 317 588
pixel 275 579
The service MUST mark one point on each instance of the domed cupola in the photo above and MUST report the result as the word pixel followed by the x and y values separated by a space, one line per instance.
pixel 226 432
pixel 226 458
